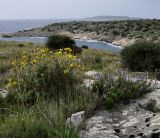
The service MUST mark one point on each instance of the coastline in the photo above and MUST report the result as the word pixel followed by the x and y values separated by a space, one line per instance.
pixel 122 42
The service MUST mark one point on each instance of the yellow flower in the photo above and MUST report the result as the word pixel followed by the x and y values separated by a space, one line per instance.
pixel 44 50
pixel 23 63
pixel 66 71
pixel 11 83
pixel 23 57
pixel 24 52
pixel 34 61
pixel 71 65
pixel 14 62
pixel 37 57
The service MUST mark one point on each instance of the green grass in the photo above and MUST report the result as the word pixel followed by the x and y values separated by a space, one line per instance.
pixel 43 120
pixel 100 60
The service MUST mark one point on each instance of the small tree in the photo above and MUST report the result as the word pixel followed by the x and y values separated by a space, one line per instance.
pixel 61 41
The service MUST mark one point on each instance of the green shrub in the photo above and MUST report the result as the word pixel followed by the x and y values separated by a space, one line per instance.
pixel 85 47
pixel 118 88
pixel 20 45
pixel 61 41
pixel 142 56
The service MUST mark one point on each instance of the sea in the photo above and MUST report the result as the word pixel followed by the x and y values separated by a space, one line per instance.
pixel 10 26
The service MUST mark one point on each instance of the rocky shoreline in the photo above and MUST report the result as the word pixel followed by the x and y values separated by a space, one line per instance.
pixel 84 36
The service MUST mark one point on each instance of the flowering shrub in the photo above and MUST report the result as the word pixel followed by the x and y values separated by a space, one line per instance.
pixel 121 87
pixel 42 72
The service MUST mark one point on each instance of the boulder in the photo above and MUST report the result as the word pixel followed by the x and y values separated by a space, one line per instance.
pixel 3 93
pixel 151 101
pixel 76 119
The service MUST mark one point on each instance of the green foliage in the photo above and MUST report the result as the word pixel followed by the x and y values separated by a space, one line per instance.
pixel 119 88
pixel 61 41
pixel 142 56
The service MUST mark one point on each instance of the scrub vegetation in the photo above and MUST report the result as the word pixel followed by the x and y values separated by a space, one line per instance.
pixel 106 31
pixel 46 85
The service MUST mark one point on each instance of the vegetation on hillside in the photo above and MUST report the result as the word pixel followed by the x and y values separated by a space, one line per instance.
pixel 107 31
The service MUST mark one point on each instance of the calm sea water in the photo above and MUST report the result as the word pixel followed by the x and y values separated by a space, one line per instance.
pixel 9 26
pixel 18 25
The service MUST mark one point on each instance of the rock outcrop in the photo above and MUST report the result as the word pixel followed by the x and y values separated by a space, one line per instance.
pixel 76 119
pixel 127 121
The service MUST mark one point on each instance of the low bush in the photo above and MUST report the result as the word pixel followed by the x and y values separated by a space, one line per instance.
pixel 61 41
pixel 142 56
pixel 85 47
pixel 120 88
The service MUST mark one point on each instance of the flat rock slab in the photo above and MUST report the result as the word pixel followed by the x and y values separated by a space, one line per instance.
pixel 127 121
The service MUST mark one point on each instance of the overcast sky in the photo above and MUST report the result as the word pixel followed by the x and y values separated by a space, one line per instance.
pixel 40 9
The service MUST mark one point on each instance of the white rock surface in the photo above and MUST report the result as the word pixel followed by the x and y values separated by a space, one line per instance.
pixel 3 93
pixel 93 74
pixel 88 83
pixel 76 119
pixel 151 101
pixel 126 121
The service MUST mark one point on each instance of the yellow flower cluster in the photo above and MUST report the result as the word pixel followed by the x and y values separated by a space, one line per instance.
pixel 30 60
pixel 11 83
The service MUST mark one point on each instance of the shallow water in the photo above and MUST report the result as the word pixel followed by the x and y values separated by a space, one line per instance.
pixel 79 42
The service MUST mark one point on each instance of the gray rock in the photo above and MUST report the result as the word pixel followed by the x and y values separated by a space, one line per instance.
pixel 3 93
pixel 93 74
pixel 88 83
pixel 151 101
pixel 76 119
pixel 125 122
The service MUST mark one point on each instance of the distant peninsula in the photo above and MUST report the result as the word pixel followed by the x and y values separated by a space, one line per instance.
pixel 123 31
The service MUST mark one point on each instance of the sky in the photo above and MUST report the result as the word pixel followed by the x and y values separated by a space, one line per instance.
pixel 50 9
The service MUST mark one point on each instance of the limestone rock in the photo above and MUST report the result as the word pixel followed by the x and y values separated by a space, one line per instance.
pixel 88 82
pixel 3 93
pixel 128 121
pixel 151 101
pixel 76 119
pixel 93 74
